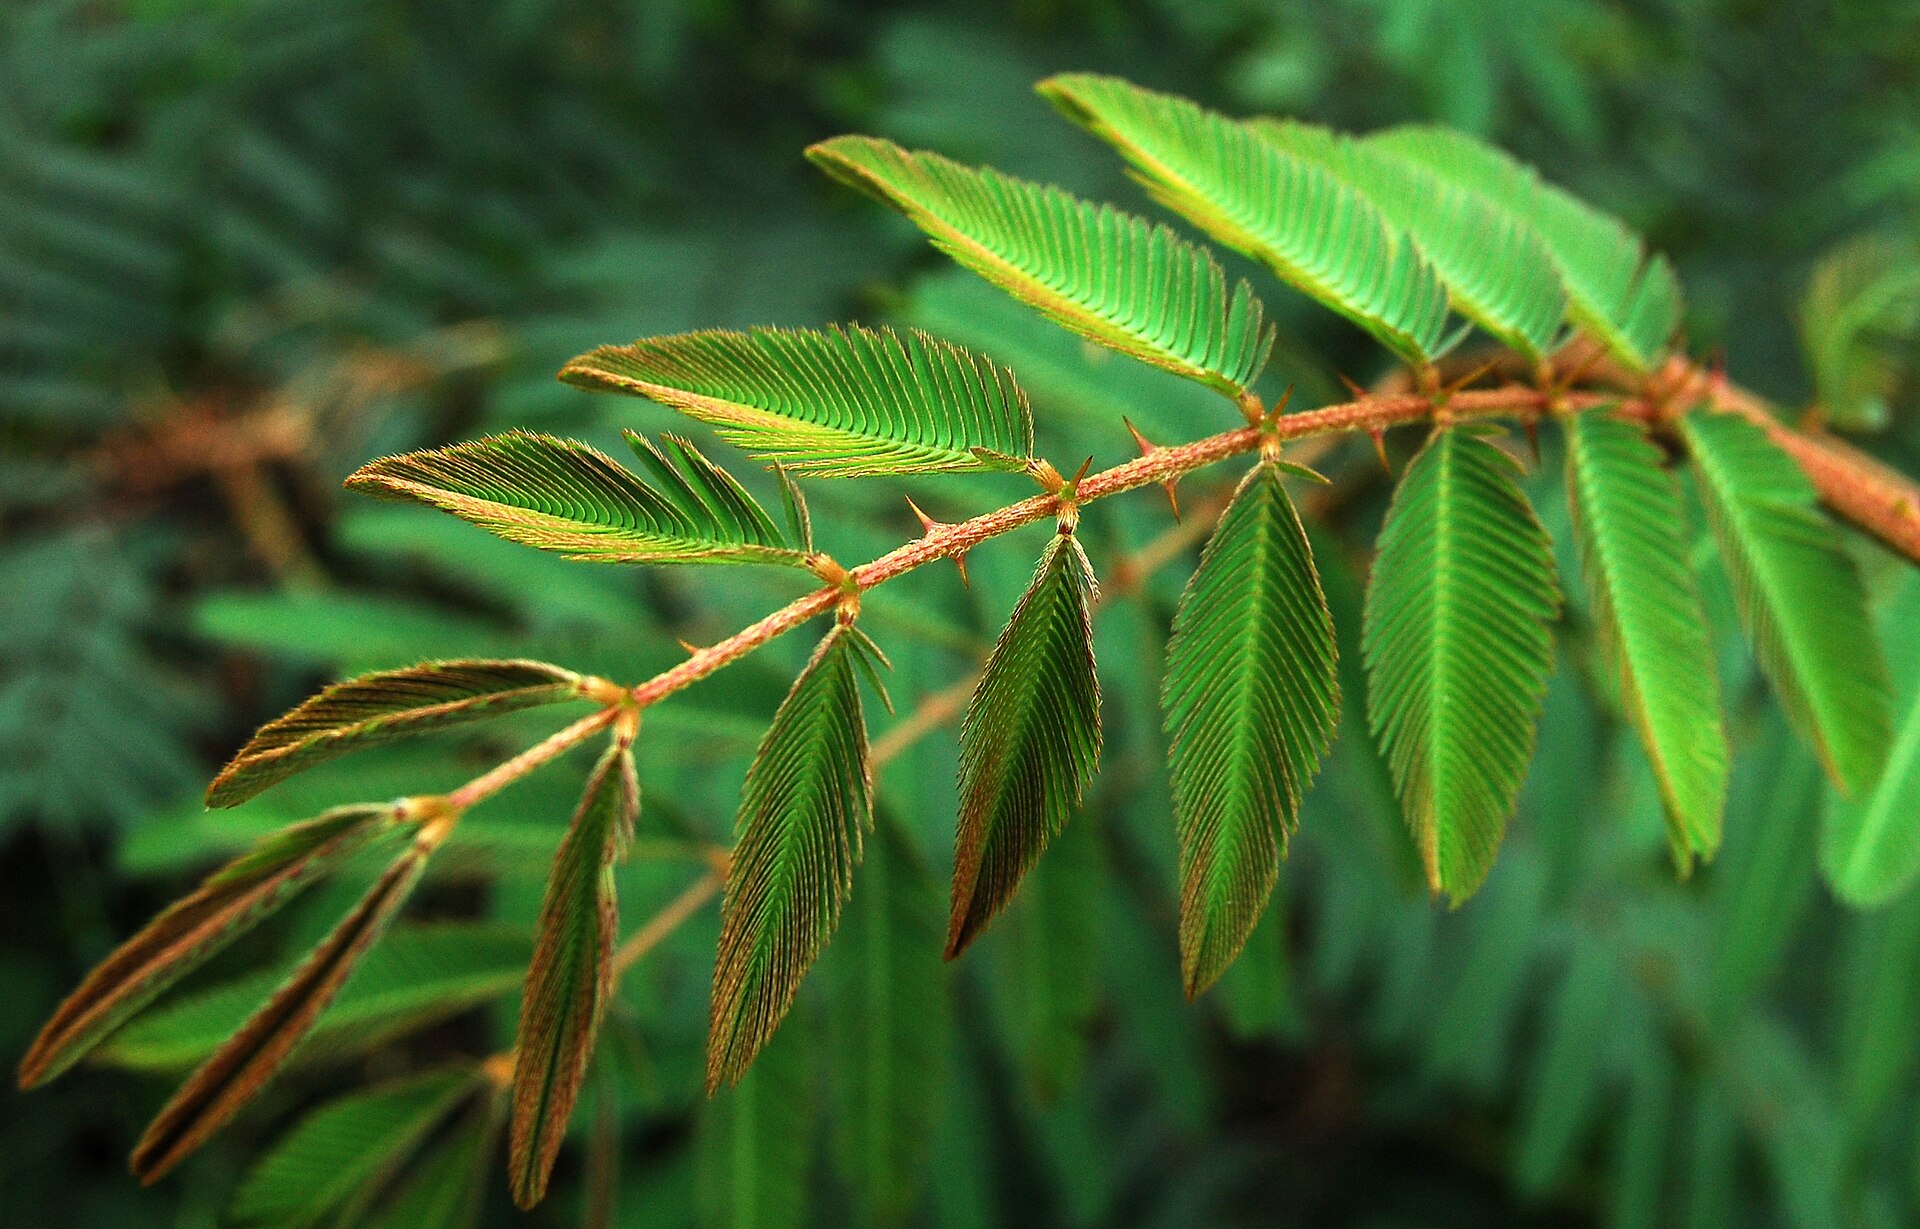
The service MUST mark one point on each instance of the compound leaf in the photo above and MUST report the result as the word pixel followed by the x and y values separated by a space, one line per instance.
pixel 1627 298
pixel 807 800
pixel 1457 647
pixel 1029 742
pixel 1798 594
pixel 563 496
pixel 241 1067
pixel 384 707
pixel 230 902
pixel 1859 323
pixel 571 974
pixel 445 1184
pixel 1251 700
pixel 1870 845
pixel 331 1166
pixel 1497 272
pixel 1112 278
pixel 840 402
pixel 1633 554
pixel 1312 229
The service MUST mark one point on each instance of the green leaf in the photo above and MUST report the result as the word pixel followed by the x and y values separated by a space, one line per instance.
pixel 571 974
pixel 1112 278
pixel 1458 650
pixel 385 707
pixel 1497 272
pixel 808 798
pixel 1251 701
pixel 561 495
pixel 1859 326
pixel 330 1167
pixel 419 976
pixel 1625 297
pixel 1029 742
pixel 891 1020
pixel 841 402
pixel 1870 845
pixel 241 1067
pixel 444 1186
pixel 230 902
pixel 1633 553
pixel 1798 594
pixel 755 1142
pixel 1313 230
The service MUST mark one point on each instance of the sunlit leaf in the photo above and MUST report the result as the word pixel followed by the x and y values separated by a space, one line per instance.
pixel 1633 551
pixel 571 975
pixel 1799 595
pixel 563 496
pixel 807 800
pixel 1108 276
pixel 231 901
pixel 1029 742
pixel 835 403
pixel 383 707
pixel 1251 700
pixel 1458 650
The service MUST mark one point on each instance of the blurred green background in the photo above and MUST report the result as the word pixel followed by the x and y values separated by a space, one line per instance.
pixel 247 244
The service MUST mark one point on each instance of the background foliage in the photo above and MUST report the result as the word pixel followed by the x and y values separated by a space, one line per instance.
pixel 247 244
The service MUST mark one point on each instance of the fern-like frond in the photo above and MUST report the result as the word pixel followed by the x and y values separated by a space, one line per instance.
pixel 1111 277
pixel 571 974
pixel 1029 742
pixel 1497 272
pixel 1313 230
pixel 807 800
pixel 1870 846
pixel 1860 326
pixel 564 496
pixel 1458 649
pixel 841 402
pixel 1633 553
pixel 241 1067
pixel 1251 700
pixel 1627 298
pixel 1798 593
pixel 332 1166
pixel 230 902
pixel 383 707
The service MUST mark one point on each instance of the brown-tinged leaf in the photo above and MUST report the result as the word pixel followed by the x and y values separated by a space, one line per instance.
pixel 240 1068
pixel 231 901
pixel 807 799
pixel 1029 742
pixel 382 707
pixel 571 974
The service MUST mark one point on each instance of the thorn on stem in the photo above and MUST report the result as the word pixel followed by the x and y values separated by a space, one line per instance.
pixel 928 525
pixel 1147 449
pixel 1379 437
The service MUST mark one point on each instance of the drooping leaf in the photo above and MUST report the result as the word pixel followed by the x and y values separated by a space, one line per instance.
pixel 1627 298
pixel 1799 595
pixel 331 1166
pixel 419 975
pixel 1251 701
pixel 841 402
pixel 1870 845
pixel 238 1070
pixel 807 800
pixel 561 495
pixel 1108 276
pixel 755 1141
pixel 1458 650
pixel 890 1027
pixel 231 901
pixel 1029 742
pixel 383 707
pixel 1633 552
pixel 1859 327
pixel 571 974
pixel 1497 272
pixel 1313 230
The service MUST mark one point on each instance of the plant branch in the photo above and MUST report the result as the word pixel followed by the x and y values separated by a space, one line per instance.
pixel 502 775
pixel 665 922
